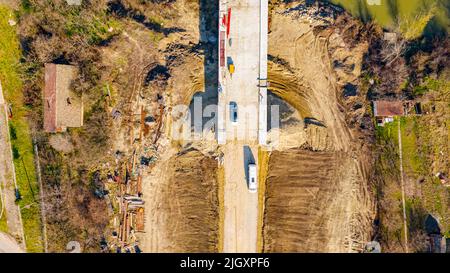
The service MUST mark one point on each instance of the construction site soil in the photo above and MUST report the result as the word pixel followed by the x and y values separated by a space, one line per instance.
pixel 315 192
pixel 180 188
pixel 182 201
pixel 316 195
pixel 311 204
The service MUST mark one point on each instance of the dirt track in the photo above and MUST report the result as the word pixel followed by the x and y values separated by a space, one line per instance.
pixel 9 245
pixel 9 209
pixel 160 72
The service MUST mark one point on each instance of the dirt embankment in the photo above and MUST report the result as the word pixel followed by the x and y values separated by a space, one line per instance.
pixel 312 67
pixel 314 203
pixel 317 196
pixel 182 203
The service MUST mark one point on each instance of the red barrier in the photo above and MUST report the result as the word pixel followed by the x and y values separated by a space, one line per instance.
pixel 228 21
pixel 222 48
pixel 224 20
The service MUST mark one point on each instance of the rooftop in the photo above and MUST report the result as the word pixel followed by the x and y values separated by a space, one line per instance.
pixel 388 108
pixel 62 107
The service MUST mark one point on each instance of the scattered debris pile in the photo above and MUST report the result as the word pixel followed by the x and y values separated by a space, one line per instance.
pixel 128 204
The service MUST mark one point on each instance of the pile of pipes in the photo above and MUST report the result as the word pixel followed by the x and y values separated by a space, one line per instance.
pixel 130 217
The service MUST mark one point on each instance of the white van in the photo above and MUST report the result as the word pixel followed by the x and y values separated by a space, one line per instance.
pixel 252 178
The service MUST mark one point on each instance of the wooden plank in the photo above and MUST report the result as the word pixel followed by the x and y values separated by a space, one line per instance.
pixel 139 185
pixel 124 223
pixel 140 220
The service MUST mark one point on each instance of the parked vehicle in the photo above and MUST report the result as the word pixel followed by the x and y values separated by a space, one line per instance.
pixel 231 68
pixel 17 195
pixel 233 112
pixel 252 178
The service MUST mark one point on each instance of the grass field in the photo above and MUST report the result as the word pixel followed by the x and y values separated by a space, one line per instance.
pixel 421 147
pixel 20 132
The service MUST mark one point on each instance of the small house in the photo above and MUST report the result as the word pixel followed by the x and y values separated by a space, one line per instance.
pixel 385 111
pixel 62 107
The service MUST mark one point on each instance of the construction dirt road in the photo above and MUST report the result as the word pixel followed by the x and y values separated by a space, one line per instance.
pixel 312 203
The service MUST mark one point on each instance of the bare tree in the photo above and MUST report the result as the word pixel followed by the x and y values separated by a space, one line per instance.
pixel 392 50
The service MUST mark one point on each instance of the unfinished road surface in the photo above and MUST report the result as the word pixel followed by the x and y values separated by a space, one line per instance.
pixel 241 206
pixel 241 87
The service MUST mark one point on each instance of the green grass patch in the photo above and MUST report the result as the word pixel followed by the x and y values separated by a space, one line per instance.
pixel 98 28
pixel 430 84
pixel 156 37
pixel 21 141
pixel 26 6
pixel 413 163
pixel 419 149
pixel 3 224
pixel 387 132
